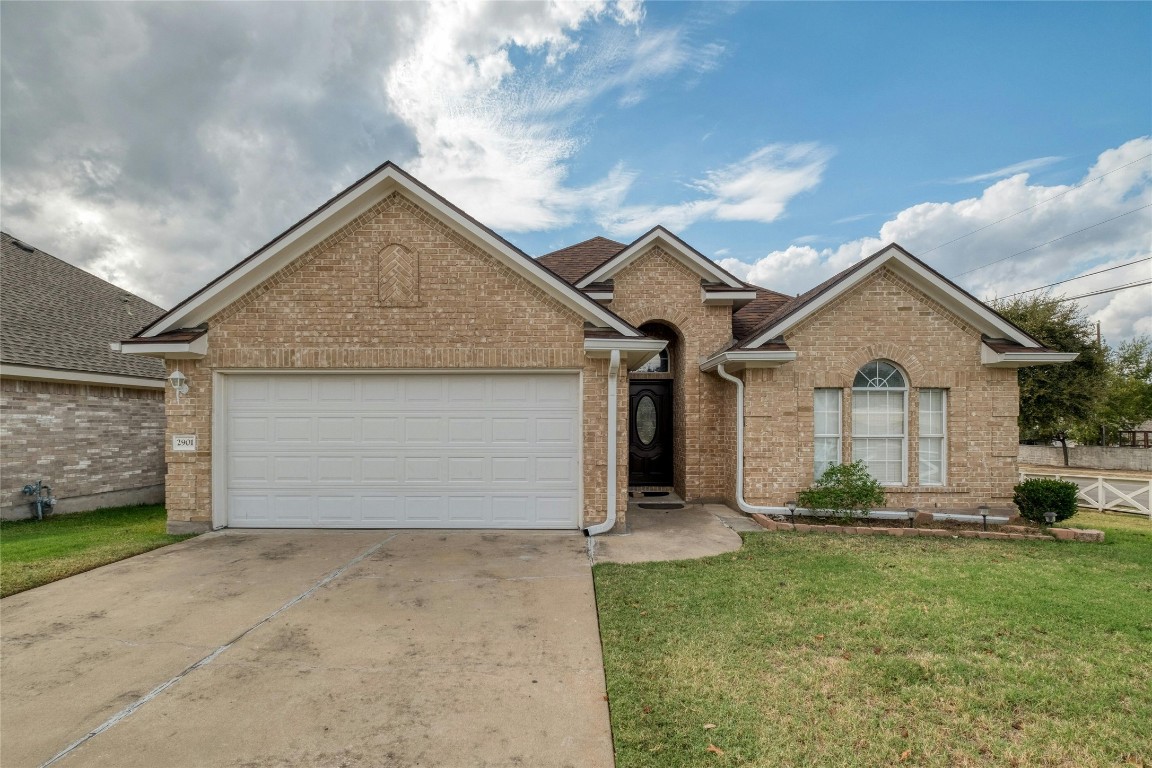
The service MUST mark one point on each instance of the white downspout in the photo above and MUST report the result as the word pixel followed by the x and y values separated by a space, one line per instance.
pixel 745 507
pixel 610 520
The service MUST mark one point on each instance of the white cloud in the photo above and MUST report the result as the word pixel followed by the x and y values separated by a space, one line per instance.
pixel 921 228
pixel 756 188
pixel 1010 170
pixel 145 149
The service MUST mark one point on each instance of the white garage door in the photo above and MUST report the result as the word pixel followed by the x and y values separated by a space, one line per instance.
pixel 402 451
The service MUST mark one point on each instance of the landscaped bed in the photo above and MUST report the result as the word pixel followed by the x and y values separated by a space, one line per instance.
pixel 805 649
pixel 35 552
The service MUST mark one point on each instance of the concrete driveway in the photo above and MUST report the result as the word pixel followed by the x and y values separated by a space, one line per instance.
pixel 313 648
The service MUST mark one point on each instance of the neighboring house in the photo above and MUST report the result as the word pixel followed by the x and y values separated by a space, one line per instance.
pixel 74 413
pixel 391 362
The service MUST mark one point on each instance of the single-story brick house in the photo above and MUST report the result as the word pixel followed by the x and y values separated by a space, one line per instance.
pixel 74 413
pixel 389 361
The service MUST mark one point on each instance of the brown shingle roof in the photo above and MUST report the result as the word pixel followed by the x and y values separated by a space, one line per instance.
pixel 752 314
pixel 575 261
pixel 57 316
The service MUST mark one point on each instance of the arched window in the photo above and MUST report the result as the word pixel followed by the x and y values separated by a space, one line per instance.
pixel 879 421
pixel 658 364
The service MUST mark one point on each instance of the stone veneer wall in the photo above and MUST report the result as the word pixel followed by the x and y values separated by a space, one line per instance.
pixel 96 446
pixel 458 308
pixel 656 287
pixel 885 317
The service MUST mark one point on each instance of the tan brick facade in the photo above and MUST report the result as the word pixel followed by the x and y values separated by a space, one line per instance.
pixel 96 446
pixel 398 289
pixel 656 287
pixel 325 311
pixel 885 318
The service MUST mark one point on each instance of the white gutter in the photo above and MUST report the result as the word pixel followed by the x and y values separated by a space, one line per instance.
pixel 610 520
pixel 745 507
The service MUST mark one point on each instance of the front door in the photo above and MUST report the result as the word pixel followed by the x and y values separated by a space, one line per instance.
pixel 650 433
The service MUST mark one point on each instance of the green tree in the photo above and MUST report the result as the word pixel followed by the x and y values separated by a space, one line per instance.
pixel 1128 394
pixel 1058 400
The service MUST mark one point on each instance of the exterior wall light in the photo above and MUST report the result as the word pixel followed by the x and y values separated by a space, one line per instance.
pixel 911 512
pixel 983 510
pixel 179 384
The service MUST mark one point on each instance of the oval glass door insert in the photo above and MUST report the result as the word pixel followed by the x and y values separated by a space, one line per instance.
pixel 646 420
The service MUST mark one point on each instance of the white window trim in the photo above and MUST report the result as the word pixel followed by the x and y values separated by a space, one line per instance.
pixel 903 438
pixel 839 434
pixel 943 436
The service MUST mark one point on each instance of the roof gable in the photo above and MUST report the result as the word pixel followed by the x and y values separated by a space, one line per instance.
pixel 673 245
pixel 57 316
pixel 966 306
pixel 343 210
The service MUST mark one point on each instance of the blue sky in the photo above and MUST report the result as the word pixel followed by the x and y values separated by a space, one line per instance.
pixel 164 142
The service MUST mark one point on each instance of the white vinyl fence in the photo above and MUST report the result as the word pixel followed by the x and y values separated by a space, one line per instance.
pixel 1107 494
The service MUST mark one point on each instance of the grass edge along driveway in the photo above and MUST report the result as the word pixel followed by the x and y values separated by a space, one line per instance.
pixel 37 552
pixel 811 649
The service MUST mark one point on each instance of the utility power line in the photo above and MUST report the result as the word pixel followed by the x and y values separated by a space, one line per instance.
pixel 1053 240
pixel 1078 277
pixel 1025 210
pixel 1108 290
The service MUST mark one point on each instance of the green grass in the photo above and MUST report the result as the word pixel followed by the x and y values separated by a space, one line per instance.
pixel 811 649
pixel 34 552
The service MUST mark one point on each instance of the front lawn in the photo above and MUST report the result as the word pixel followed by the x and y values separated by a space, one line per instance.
pixel 811 649
pixel 38 552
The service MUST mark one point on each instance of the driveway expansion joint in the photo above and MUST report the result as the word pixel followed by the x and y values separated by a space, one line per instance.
pixel 206 660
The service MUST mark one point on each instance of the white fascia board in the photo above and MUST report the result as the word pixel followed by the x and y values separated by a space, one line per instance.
pixel 281 253
pixel 972 310
pixel 635 351
pixel 990 358
pixel 170 350
pixel 600 295
pixel 956 301
pixel 78 377
pixel 341 212
pixel 749 358
pixel 714 297
pixel 701 265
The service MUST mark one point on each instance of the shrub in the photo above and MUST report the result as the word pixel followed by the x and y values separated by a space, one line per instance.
pixel 1038 495
pixel 844 490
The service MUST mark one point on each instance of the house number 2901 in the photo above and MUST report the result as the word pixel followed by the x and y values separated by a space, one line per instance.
pixel 183 442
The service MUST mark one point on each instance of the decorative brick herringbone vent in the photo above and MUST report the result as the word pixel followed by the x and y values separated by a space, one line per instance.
pixel 399 277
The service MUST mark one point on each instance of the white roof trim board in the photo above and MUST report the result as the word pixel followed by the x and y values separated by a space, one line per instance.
pixel 963 305
pixel 749 358
pixel 340 211
pixel 172 350
pixel 32 373
pixel 687 255
pixel 635 351
pixel 1023 359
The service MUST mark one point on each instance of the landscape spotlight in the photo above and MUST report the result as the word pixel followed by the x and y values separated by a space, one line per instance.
pixel 791 510
pixel 911 512
pixel 1049 517
pixel 983 509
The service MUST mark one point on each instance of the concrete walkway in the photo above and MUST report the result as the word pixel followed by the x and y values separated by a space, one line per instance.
pixel 697 530
pixel 313 648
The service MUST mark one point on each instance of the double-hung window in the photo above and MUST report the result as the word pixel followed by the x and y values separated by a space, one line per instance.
pixel 933 424
pixel 826 429
pixel 878 421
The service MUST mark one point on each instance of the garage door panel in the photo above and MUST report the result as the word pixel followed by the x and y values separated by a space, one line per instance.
pixel 416 450
pixel 380 429
pixel 290 429
pixel 292 469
